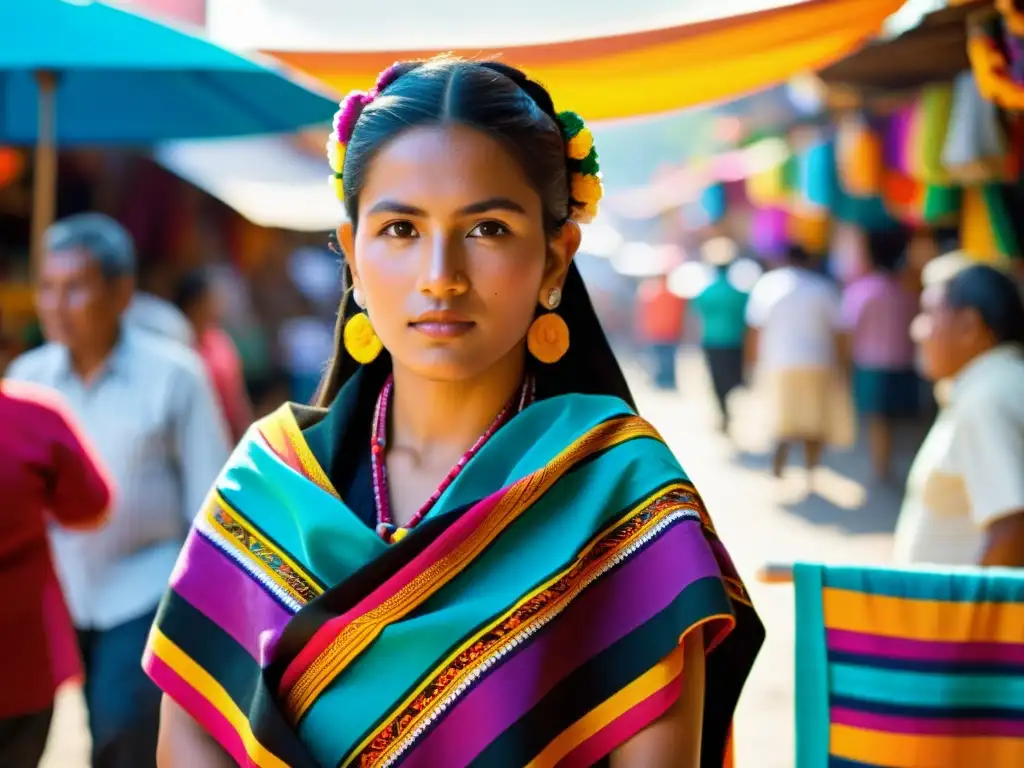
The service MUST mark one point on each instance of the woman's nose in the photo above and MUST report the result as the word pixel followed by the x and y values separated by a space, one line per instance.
pixel 444 270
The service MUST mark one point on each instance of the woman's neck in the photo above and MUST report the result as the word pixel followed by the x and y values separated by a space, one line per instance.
pixel 430 415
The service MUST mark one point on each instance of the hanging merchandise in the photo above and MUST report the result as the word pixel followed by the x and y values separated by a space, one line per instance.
pixel 768 188
pixel 976 149
pixel 986 229
pixel 769 232
pixel 713 203
pixel 992 49
pixel 816 175
pixel 940 205
pixel 859 157
pixel 928 134
pixel 810 230
pixel 903 197
pixel 896 139
pixel 868 213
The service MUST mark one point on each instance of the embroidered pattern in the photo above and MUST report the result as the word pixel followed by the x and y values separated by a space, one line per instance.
pixel 362 630
pixel 260 551
pixel 626 536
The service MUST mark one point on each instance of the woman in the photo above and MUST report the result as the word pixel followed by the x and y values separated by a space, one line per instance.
pixel 542 605
pixel 46 469
pixel 876 313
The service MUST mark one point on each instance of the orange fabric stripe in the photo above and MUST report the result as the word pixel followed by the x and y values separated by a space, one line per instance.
pixel 900 750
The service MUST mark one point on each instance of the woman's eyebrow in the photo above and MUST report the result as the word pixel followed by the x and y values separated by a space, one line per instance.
pixel 393 206
pixel 492 204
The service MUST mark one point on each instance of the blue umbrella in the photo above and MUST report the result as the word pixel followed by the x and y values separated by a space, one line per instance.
pixel 75 72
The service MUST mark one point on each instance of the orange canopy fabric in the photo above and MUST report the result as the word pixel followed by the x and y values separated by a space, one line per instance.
pixel 659 71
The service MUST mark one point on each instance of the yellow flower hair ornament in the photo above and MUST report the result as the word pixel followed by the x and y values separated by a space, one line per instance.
pixel 585 188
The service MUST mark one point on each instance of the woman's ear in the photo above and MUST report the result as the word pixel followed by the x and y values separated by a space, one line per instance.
pixel 347 243
pixel 562 247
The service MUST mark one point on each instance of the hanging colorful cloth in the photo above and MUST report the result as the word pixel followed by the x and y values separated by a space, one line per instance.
pixel 768 188
pixel 816 175
pixel 713 203
pixel 859 157
pixel 897 137
pixel 986 228
pixel 769 232
pixel 927 136
pixel 976 149
pixel 993 39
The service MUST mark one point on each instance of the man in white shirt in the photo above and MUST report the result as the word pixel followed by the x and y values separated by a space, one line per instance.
pixel 793 319
pixel 148 408
pixel 964 503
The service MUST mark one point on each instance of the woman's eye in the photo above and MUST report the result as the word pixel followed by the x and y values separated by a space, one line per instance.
pixel 489 229
pixel 400 229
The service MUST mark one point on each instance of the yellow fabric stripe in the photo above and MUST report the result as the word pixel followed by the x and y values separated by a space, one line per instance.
pixel 902 750
pixel 281 425
pixel 555 606
pixel 197 677
pixel 922 619
pixel 359 633
pixel 653 680
pixel 217 502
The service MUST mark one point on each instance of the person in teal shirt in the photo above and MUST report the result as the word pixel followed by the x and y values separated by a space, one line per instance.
pixel 721 306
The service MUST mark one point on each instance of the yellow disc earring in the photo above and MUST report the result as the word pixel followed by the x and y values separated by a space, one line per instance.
pixel 548 337
pixel 361 341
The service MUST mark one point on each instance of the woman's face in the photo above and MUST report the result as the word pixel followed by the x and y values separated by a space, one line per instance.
pixel 450 252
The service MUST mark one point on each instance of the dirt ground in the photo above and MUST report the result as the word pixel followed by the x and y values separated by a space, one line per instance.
pixel 842 519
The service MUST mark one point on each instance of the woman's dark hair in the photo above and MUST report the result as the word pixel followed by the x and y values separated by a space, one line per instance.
pixel 504 103
pixel 994 296
pixel 193 287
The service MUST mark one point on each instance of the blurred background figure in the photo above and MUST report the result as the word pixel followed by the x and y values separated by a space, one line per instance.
pixel 197 298
pixel 722 307
pixel 159 316
pixel 46 471
pixel 660 328
pixel 147 406
pixel 877 311
pixel 793 317
pixel 964 501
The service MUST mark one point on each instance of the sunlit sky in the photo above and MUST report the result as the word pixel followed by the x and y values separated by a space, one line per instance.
pixel 357 25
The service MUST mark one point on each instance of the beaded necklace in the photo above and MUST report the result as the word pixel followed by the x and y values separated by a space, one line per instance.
pixel 386 527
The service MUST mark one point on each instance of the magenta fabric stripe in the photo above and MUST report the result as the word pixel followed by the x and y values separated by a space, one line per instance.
pixel 608 610
pixel 925 650
pixel 950 726
pixel 197 706
pixel 232 599
pixel 436 551
pixel 623 728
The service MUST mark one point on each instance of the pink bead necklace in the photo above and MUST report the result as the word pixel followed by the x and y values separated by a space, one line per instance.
pixel 386 527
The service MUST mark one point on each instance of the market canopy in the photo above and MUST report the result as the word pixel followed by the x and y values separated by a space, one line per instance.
pixel 658 56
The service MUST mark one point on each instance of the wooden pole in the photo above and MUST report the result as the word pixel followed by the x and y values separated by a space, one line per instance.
pixel 44 188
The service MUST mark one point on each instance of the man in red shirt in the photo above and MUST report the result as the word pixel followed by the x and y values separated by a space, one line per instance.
pixel 45 467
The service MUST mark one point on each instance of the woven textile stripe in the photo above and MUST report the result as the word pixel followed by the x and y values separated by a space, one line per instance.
pixel 921 668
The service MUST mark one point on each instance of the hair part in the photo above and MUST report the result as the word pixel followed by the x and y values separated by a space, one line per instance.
pixel 98 236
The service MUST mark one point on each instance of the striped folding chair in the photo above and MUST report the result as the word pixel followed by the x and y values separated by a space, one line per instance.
pixel 909 669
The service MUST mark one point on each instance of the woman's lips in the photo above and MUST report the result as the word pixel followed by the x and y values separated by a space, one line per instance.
pixel 443 329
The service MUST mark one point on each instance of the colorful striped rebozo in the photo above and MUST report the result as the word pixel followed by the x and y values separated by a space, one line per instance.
pixel 909 669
